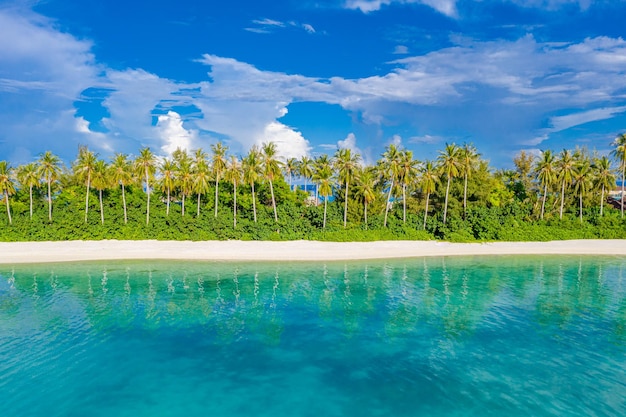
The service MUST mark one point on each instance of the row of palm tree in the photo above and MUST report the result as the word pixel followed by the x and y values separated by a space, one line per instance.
pixel 397 174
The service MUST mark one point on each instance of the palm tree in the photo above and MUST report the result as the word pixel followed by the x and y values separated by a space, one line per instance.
pixel 219 165
pixel 546 173
pixel 291 167
pixel 324 177
pixel 581 177
pixel 321 163
pixel 233 174
pixel 201 178
pixel 390 169
pixel 27 177
pixel 271 168
pixel 305 170
pixel 604 178
pixel 346 165
pixel 121 174
pixel 184 180
pixel 428 183
pixel 565 164
pixel 49 169
pixel 84 167
pixel 251 172
pixel 101 181
pixel 406 175
pixel 167 182
pixel 467 158
pixel 449 164
pixel 620 154
pixel 365 187
pixel 7 187
pixel 145 165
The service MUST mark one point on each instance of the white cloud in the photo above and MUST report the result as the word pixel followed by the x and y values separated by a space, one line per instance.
pixel 396 140
pixel 289 143
pixel 173 134
pixel 427 139
pixel 265 26
pixel 400 50
pixel 308 28
pixel 560 123
pixel 446 7
pixel 97 140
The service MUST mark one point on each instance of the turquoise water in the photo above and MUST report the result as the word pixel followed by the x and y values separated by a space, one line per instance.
pixel 483 336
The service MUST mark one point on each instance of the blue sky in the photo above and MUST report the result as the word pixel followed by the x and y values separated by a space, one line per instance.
pixel 313 76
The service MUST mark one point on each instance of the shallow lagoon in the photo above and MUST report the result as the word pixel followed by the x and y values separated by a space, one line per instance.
pixel 462 336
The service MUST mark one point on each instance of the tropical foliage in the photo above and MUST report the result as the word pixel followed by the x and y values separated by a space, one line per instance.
pixel 457 197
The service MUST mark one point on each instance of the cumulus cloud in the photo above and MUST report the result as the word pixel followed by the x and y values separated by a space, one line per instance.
pixel 446 7
pixel 289 143
pixel 97 140
pixel 173 134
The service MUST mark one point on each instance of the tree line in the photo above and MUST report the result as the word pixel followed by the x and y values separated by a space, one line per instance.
pixel 434 196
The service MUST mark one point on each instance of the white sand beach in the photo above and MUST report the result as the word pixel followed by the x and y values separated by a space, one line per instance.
pixel 40 252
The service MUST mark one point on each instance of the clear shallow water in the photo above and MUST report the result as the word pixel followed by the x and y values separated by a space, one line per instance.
pixel 499 336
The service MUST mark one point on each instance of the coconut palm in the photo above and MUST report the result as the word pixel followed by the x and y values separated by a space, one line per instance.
pixel 7 187
pixel 305 170
pixel 389 167
pixel 167 170
pixel 468 157
pixel 145 166
pixel 581 178
pixel 251 165
pixel 101 181
pixel 184 180
pixel 49 168
pixel 565 165
pixel 407 172
pixel 428 183
pixel 346 164
pixel 233 174
pixel 449 163
pixel 324 177
pixel 604 178
pixel 271 168
pixel 320 163
pixel 619 152
pixel 27 177
pixel 201 179
pixel 83 168
pixel 219 165
pixel 365 187
pixel 546 174
pixel 121 174
pixel 291 167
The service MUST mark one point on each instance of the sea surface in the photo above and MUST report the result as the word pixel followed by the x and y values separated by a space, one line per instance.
pixel 458 336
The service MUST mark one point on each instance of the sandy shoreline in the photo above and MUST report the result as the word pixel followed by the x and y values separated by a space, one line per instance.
pixel 43 252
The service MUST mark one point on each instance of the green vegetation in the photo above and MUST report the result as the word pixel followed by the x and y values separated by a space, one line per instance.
pixel 458 197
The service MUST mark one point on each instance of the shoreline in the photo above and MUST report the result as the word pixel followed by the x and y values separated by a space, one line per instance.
pixel 300 250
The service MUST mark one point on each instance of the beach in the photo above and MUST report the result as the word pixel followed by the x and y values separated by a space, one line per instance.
pixel 301 250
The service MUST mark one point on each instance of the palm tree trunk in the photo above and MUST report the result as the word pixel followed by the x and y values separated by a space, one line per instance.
pixel 235 206
pixel 183 205
pixel 216 189
pixel 101 208
pixel 345 207
pixel 445 206
pixel 253 202
pixel 543 201
pixel 426 210
pixel 148 192
pixel 273 201
pixel 198 211
pixel 387 206
pixel 49 199
pixel 366 215
pixel 602 201
pixel 167 210
pixel 562 200
pixel 580 209
pixel 316 195
pixel 622 196
pixel 30 194
pixel 325 201
pixel 465 198
pixel 124 203
pixel 87 195
pixel 403 203
pixel 6 199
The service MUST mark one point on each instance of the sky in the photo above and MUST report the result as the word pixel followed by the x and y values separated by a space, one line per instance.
pixel 311 75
